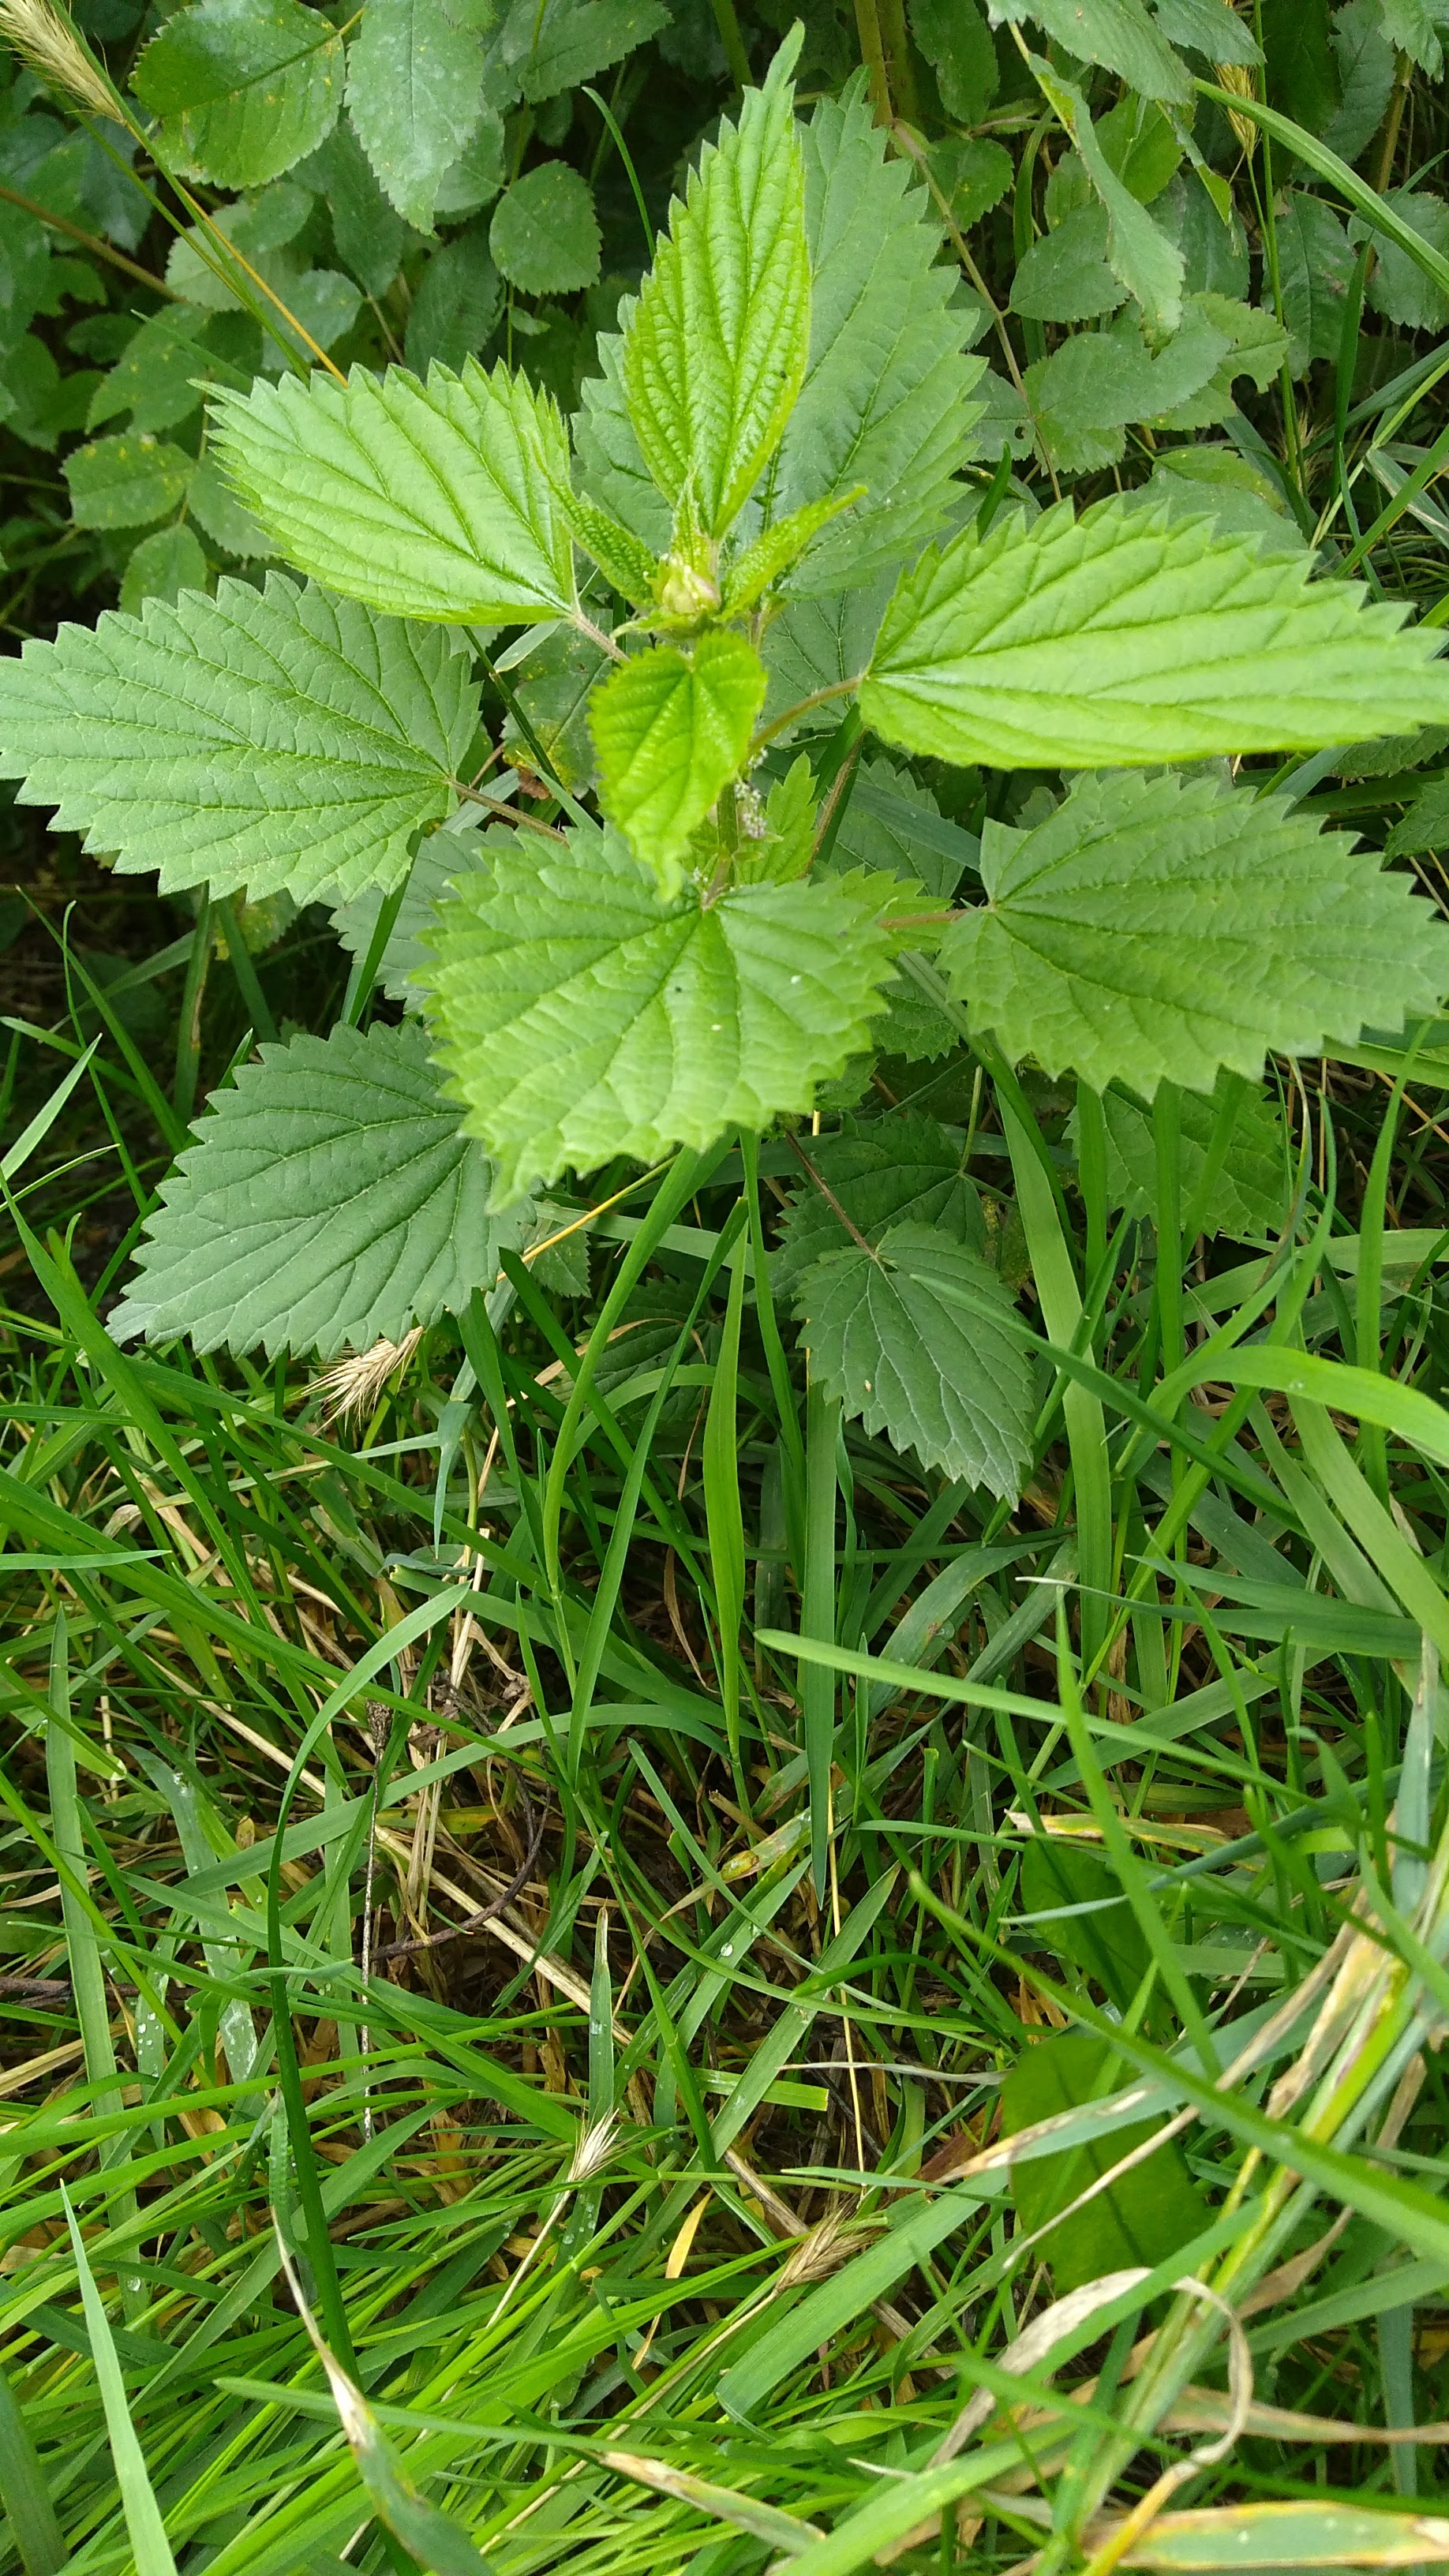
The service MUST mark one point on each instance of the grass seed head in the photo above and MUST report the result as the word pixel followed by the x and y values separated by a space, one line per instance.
pixel 44 38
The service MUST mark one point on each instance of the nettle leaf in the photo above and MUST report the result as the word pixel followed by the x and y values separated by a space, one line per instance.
pixel 916 1338
pixel 243 87
pixel 886 400
pixel 1154 929
pixel 456 850
pixel 1131 636
pixel 433 500
pixel 580 1019
pixel 1235 1128
pixel 262 740
pixel 1118 34
pixel 545 235
pixel 906 1172
pixel 415 93
pixel 892 826
pixel 328 1202
pixel 671 729
pixel 716 349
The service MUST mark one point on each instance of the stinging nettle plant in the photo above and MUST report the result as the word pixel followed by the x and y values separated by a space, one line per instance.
pixel 761 544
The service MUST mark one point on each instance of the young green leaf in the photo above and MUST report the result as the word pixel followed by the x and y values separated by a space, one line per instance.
pixel 914 1339
pixel 162 566
pixel 620 556
pixel 244 88
pixel 579 1019
pixel 1129 636
pixel 434 500
pixel 777 548
pixel 414 91
pixel 261 740
pixel 1154 929
pixel 545 235
pixel 671 729
pixel 1064 277
pixel 716 349
pixel 328 1202
pixel 886 400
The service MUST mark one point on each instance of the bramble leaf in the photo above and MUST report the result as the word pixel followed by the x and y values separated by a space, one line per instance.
pixel 671 729
pixel 244 88
pixel 261 740
pixel 1118 34
pixel 434 501
pixel 126 482
pixel 915 1339
pixel 580 1019
pixel 1154 929
pixel 545 235
pixel 1129 636
pixel 716 348
pixel 327 1202
pixel 886 400
pixel 415 92
pixel 1149 265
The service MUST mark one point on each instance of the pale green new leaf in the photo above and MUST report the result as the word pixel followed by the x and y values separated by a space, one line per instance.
pixel 1128 636
pixel 916 1340
pixel 580 1019
pixel 264 740
pixel 415 93
pixel 434 501
pixel 1155 929
pixel 886 400
pixel 244 88
pixel 716 349
pixel 777 548
pixel 670 730
pixel 328 1202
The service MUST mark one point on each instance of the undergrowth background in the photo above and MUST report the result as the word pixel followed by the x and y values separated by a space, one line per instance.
pixel 654 2118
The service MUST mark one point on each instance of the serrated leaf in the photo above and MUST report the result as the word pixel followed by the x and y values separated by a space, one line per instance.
pixel 1315 260
pixel 1398 287
pixel 1138 2221
pixel 1243 498
pixel 162 566
pixel 579 1018
pixel 716 349
pixel 1366 68
pixel 915 1339
pixel 415 93
pixel 1256 347
pixel 244 88
pixel 1125 636
pixel 1248 1198
pixel 887 396
pixel 459 298
pixel 1415 27
pixel 453 851
pixel 261 740
pixel 211 502
pixel 1118 34
pixel 1149 265
pixel 777 548
pixel 367 232
pixel 124 482
pixel 574 40
pixel 1155 929
pixel 1211 27
pixel 1064 277
pixel 892 826
pixel 545 235
pixel 154 377
pixel 956 41
pixel 670 730
pixel 906 1172
pixel 434 500
pixel 553 686
pixel 622 560
pixel 328 1201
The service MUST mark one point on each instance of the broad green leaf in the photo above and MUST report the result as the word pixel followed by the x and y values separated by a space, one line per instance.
pixel 1255 346
pixel 1303 79
pixel 368 233
pixel 892 826
pixel 453 851
pixel 1247 1198
pixel 262 229
pixel 1310 2533
pixel 154 379
pixel 459 297
pixel 1366 66
pixel 915 1339
pixel 580 1019
pixel 815 644
pixel 1149 265
pixel 908 1172
pixel 243 87
pixel 545 235
pixel 670 730
pixel 211 502
pixel 716 349
pixel 553 685
pixel 432 500
pixel 163 565
pixel 1140 2220
pixel 1243 498
pixel 1315 260
pixel 1398 287
pixel 973 176
pixel 887 397
pixel 1118 34
pixel 261 740
pixel 1416 27
pixel 1426 824
pixel 1064 277
pixel 1142 145
pixel 1108 1944
pixel 1154 929
pixel 1085 393
pixel 572 41
pixel 1123 636
pixel 478 174
pixel 415 93
pixel 124 482
pixel 956 41
pixel 328 1202
pixel 1210 27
